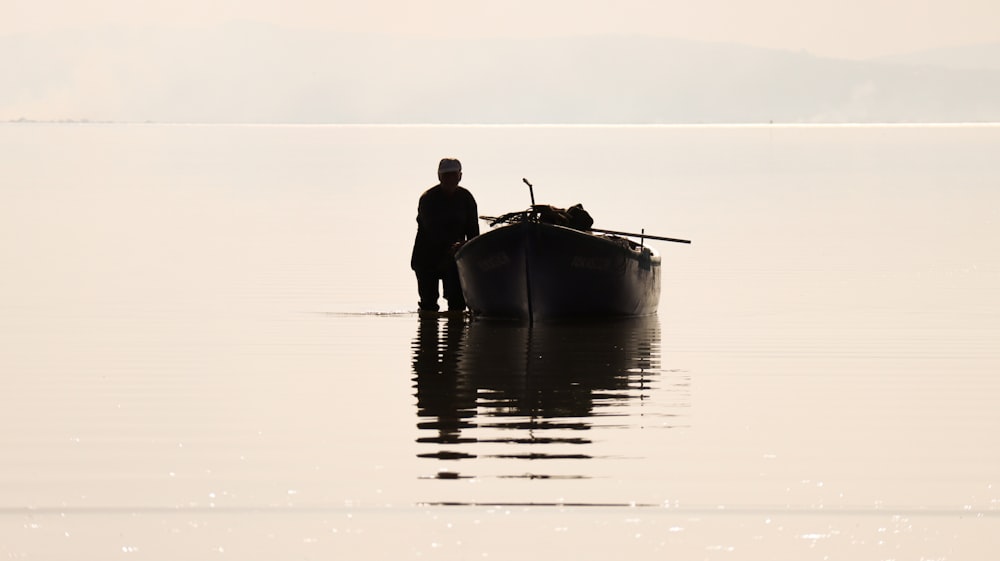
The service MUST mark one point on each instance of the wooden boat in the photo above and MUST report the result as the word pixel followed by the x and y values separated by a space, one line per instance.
pixel 531 270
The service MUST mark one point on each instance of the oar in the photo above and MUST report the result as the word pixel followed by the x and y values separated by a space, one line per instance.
pixel 661 238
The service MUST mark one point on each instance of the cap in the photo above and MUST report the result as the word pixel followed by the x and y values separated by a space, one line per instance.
pixel 449 165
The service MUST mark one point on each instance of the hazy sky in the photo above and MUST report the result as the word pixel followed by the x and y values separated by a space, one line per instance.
pixel 841 28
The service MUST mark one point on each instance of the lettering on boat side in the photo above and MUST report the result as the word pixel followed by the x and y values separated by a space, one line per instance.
pixel 592 263
pixel 494 261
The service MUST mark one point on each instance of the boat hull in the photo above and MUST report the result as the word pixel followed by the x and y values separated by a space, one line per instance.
pixel 536 271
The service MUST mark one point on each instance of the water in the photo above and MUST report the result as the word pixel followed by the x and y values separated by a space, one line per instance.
pixel 209 347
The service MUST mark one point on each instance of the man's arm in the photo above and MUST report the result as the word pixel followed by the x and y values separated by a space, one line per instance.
pixel 473 219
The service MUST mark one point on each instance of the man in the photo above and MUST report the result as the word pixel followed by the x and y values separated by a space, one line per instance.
pixel 447 217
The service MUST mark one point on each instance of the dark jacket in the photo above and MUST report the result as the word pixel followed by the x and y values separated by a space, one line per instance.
pixel 442 221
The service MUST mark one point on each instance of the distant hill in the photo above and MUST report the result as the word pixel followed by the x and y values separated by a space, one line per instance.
pixel 969 57
pixel 246 72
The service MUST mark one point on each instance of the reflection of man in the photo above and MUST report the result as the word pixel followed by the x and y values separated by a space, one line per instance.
pixel 446 218
pixel 443 392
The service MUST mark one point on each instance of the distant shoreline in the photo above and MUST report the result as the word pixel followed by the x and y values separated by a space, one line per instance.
pixel 24 121
pixel 272 74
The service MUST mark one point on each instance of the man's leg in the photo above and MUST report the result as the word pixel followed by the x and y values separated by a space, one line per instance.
pixel 427 288
pixel 453 290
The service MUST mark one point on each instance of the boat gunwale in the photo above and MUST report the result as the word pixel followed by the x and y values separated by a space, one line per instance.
pixel 633 249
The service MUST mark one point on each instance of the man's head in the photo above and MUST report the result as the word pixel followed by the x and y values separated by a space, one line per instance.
pixel 450 172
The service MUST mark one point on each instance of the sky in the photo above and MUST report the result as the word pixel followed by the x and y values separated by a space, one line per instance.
pixel 854 29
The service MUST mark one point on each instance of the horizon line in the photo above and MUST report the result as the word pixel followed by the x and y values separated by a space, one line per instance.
pixel 753 124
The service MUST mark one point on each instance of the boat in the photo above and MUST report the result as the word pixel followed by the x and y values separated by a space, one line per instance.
pixel 526 268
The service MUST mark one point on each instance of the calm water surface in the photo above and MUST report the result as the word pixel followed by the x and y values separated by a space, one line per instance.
pixel 209 348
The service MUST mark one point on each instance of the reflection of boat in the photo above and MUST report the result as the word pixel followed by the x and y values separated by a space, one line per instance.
pixel 511 390
pixel 538 271
pixel 560 370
